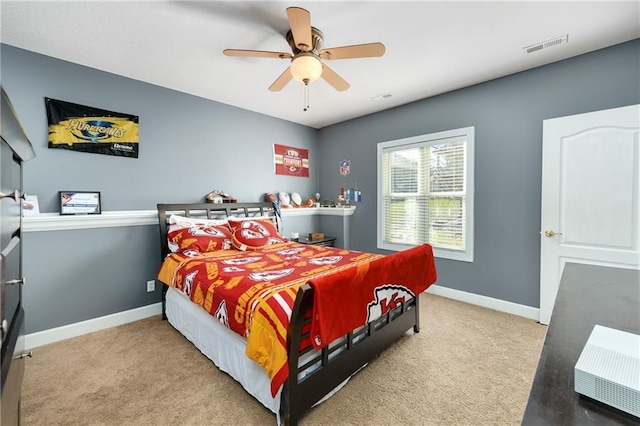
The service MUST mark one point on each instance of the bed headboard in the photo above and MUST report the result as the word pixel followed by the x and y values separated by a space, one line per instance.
pixel 209 211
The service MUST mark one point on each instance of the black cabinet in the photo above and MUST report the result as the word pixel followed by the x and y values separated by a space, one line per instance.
pixel 15 148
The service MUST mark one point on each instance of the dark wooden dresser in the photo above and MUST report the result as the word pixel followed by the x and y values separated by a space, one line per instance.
pixel 14 150
pixel 587 295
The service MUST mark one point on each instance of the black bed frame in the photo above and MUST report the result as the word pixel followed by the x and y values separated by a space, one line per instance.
pixel 312 374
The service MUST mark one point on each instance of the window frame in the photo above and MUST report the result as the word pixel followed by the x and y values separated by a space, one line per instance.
pixel 468 133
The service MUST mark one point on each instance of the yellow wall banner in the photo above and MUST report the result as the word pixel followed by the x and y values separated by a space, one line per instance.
pixel 86 129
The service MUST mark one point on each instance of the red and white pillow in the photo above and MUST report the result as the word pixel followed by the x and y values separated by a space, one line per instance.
pixel 253 233
pixel 191 235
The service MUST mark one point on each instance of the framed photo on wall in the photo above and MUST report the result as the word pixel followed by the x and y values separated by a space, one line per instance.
pixel 80 202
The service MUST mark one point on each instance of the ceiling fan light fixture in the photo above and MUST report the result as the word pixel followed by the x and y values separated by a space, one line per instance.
pixel 307 54
pixel 306 67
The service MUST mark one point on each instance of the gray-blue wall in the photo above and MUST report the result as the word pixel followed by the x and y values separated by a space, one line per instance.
pixel 76 275
pixel 507 114
pixel 190 146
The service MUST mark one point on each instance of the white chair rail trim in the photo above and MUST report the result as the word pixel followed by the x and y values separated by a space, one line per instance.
pixel 321 211
pixel 56 222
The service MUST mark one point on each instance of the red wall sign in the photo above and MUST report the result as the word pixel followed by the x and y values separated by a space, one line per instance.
pixel 291 161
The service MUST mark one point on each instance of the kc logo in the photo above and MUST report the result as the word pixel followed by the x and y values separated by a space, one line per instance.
pixel 387 298
pixel 221 313
pixel 188 282
pixel 270 275
pixel 241 261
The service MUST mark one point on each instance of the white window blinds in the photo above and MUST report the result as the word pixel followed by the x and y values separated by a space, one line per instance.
pixel 424 193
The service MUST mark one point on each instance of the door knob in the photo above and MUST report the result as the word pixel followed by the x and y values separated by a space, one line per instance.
pixel 15 195
pixel 550 233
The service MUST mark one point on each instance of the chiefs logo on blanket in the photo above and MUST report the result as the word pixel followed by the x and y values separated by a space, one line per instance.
pixel 387 298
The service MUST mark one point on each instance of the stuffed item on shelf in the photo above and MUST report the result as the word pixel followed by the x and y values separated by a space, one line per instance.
pixel 217 197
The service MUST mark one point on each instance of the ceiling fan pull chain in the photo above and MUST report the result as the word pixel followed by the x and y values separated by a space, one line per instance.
pixel 306 97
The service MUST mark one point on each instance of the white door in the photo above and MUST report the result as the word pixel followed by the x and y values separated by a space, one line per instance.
pixel 590 195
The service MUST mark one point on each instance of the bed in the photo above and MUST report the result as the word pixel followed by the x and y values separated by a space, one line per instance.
pixel 286 320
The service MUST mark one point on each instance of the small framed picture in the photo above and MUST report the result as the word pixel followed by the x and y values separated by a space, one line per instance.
pixel 80 202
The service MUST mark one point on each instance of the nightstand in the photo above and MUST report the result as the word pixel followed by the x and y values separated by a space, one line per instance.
pixel 326 241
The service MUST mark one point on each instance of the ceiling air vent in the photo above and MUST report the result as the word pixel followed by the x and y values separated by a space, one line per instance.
pixel 546 44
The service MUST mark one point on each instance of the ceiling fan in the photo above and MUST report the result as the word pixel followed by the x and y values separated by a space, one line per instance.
pixel 306 45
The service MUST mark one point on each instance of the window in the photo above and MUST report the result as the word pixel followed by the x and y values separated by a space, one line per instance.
pixel 425 193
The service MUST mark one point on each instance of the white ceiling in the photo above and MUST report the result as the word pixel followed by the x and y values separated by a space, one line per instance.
pixel 431 47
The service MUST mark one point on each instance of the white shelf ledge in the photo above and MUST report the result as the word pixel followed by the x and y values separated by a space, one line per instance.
pixel 321 211
pixel 55 222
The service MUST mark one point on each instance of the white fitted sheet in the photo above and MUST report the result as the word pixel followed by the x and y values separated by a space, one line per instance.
pixel 224 347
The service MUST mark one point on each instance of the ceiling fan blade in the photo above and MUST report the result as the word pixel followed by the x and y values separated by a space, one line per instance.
pixel 281 81
pixel 330 76
pixel 256 53
pixel 300 21
pixel 367 50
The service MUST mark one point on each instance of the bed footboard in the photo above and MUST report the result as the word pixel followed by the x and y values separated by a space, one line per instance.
pixel 314 374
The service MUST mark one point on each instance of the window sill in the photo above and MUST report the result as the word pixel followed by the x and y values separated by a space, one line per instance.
pixel 437 252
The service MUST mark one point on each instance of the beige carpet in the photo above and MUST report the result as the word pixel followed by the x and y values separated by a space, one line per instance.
pixel 467 366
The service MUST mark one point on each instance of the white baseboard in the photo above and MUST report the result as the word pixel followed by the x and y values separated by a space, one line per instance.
pixel 486 302
pixel 45 337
